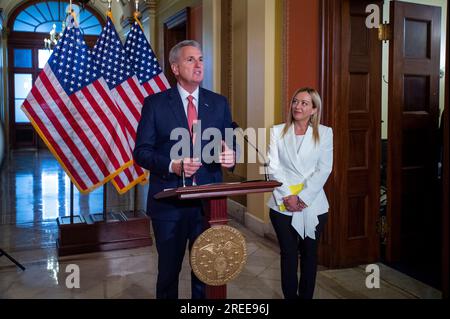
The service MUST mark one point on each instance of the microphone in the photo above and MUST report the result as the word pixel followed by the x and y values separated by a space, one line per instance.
pixel 235 126
pixel 194 131
pixel 183 176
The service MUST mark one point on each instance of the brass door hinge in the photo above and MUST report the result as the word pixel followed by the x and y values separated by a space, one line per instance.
pixel 384 32
pixel 383 229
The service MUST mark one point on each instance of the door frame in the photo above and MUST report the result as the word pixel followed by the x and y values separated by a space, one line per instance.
pixel 330 48
pixel 181 19
pixel 446 173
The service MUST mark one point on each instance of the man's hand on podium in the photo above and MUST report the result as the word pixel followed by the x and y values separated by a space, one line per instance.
pixel 191 166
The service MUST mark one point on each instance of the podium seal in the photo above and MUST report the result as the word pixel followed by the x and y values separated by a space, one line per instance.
pixel 218 255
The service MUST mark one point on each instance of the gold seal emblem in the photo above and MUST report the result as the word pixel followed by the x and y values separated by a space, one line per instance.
pixel 218 255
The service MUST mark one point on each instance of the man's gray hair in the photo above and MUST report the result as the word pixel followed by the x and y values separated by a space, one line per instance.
pixel 175 51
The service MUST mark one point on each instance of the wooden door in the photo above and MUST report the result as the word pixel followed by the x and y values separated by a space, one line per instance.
pixel 413 112
pixel 175 30
pixel 185 24
pixel 361 115
pixel 351 88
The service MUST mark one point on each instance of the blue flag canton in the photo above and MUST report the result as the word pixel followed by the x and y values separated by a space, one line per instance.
pixel 110 57
pixel 72 63
pixel 142 57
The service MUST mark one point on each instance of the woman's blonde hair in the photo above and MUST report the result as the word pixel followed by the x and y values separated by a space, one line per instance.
pixel 314 121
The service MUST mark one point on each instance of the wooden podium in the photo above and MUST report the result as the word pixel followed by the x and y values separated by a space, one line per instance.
pixel 214 197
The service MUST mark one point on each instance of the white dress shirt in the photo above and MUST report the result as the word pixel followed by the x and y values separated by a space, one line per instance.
pixel 184 98
pixel 299 141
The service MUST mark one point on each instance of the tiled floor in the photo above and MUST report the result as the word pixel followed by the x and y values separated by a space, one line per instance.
pixel 33 192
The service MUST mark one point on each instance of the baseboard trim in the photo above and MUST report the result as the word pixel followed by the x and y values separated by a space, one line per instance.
pixel 240 214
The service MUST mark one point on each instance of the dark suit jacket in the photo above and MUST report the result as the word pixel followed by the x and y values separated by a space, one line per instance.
pixel 162 113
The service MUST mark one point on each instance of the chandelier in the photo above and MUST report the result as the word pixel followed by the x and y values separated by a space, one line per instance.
pixel 50 42
pixel 84 2
pixel 54 36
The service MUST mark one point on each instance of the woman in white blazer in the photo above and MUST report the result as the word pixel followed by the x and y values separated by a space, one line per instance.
pixel 300 157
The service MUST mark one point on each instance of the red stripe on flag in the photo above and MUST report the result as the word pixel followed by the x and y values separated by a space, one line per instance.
pixel 131 131
pixel 94 128
pixel 110 102
pixel 148 88
pixel 128 103
pixel 63 133
pixel 116 112
pixel 74 124
pixel 119 182
pixel 160 83
pixel 129 175
pixel 128 125
pixel 136 87
pixel 139 170
pixel 55 146
pixel 109 126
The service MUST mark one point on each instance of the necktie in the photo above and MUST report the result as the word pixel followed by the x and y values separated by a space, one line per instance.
pixel 192 118
pixel 191 113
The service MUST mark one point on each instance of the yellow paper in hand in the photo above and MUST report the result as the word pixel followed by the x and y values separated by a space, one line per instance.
pixel 295 190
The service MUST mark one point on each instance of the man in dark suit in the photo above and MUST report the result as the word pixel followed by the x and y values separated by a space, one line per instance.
pixel 192 109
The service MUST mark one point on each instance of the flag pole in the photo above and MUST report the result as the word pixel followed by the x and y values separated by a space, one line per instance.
pixel 105 198
pixel 137 14
pixel 135 200
pixel 71 202
pixel 105 187
pixel 71 183
pixel 109 13
pixel 136 18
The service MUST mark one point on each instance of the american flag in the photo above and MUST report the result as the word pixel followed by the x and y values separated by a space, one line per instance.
pixel 113 63
pixel 71 108
pixel 144 61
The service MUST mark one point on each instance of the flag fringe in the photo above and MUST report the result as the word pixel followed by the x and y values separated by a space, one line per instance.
pixel 140 180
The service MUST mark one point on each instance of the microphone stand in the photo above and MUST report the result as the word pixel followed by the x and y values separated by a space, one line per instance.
pixel 3 253
pixel 183 176
pixel 266 165
pixel 266 172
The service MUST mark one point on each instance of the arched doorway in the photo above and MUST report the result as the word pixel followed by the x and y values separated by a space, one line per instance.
pixel 28 26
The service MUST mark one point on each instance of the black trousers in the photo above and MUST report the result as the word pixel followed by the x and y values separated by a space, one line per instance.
pixel 171 238
pixel 291 246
